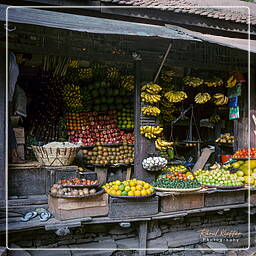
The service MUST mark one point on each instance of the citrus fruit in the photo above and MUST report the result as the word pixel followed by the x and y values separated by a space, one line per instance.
pixel 137 193
pixel 118 182
pixel 121 187
pixel 143 192
pixel 130 193
pixel 133 189
pixel 146 186
pixel 119 192
pixel 127 188
pixel 239 173
pixel 133 183
pixel 113 192
pixel 124 193
pixel 139 187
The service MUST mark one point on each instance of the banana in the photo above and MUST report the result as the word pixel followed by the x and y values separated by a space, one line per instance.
pixel 151 88
pixel 174 97
pixel 150 131
pixel 167 76
pixel 214 119
pixel 151 111
pixel 231 82
pixel 128 82
pixel 193 81
pixel 145 97
pixel 214 82
pixel 220 99
pixel 202 98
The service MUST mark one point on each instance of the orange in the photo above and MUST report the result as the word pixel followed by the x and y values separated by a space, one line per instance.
pixel 139 182
pixel 133 189
pixel 133 183
pixel 144 192
pixel 119 192
pixel 146 186
pixel 130 193
pixel 137 193
pixel 113 192
pixel 139 187
pixel 127 188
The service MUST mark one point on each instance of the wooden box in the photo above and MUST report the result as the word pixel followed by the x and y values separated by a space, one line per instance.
pixel 224 198
pixel 125 208
pixel 65 209
pixel 178 202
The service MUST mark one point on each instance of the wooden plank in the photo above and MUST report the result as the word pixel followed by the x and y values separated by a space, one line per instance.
pixel 2 122
pixel 206 152
pixel 128 173
pixel 143 232
pixel 33 164
pixel 19 132
pixel 102 174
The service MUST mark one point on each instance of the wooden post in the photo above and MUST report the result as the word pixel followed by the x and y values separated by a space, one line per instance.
pixel 252 109
pixel 142 145
pixel 2 123
pixel 143 231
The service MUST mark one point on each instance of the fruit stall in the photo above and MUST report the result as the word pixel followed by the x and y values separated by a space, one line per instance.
pixel 111 135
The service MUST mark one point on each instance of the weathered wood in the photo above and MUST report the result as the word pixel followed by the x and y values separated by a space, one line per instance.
pixel 2 122
pixel 224 198
pixel 128 173
pixel 65 209
pixel 143 231
pixel 181 202
pixel 120 208
pixel 102 174
pixel 206 152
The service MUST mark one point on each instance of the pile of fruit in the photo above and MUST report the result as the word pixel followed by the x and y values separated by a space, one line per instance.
pixel 193 81
pixel 110 155
pixel 150 98
pixel 175 97
pixel 245 153
pixel 167 75
pixel 150 111
pixel 217 177
pixel 150 132
pixel 151 88
pixel 225 138
pixel 59 190
pixel 75 121
pixel 154 163
pixel 246 172
pixel 128 82
pixel 231 82
pixel 179 168
pixel 128 138
pixel 202 98
pixel 78 182
pixel 125 118
pixel 175 181
pixel 72 96
pixel 129 188
pixel 163 145
pixel 220 99
pixel 214 82
pixel 214 119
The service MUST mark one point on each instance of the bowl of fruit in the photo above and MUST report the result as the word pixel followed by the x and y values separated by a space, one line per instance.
pixel 218 178
pixel 129 189
pixel 176 182
pixel 76 182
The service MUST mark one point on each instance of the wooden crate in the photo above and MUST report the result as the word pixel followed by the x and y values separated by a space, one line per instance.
pixel 65 209
pixel 178 202
pixel 120 208
pixel 215 198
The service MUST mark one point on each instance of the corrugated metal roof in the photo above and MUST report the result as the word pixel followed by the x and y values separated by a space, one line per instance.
pixel 87 24
pixel 224 11
pixel 237 43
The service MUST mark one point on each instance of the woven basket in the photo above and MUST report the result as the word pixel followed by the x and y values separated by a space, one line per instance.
pixel 55 156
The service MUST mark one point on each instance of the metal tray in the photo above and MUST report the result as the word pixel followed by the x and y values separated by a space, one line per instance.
pixel 177 190
pixel 133 197
pixel 100 192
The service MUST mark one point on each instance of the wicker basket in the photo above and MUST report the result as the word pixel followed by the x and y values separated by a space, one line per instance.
pixel 55 156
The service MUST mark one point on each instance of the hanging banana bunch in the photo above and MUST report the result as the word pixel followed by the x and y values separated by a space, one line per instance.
pixel 215 82
pixel 167 75
pixel 202 98
pixel 151 88
pixel 150 132
pixel 128 82
pixel 193 81
pixel 175 97
pixel 231 82
pixel 220 99
pixel 85 73
pixel 150 111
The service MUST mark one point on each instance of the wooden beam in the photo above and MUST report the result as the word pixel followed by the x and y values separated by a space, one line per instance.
pixel 143 231
pixel 2 123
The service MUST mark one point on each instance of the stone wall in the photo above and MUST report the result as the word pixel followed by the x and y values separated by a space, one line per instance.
pixel 201 231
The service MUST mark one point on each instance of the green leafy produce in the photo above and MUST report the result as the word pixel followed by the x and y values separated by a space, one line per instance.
pixel 175 183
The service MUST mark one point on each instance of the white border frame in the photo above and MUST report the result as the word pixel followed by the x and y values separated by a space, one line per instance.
pixel 6 130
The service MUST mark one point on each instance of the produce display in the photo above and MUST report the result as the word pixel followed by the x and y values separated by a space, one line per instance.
pixel 214 82
pixel 154 163
pixel 128 82
pixel 85 73
pixel 125 118
pixel 151 88
pixel 167 75
pixel 150 131
pixel 72 96
pixel 129 188
pixel 176 181
pixel 128 138
pixel 193 81
pixel 225 138
pixel 176 168
pixel 220 99
pixel 123 154
pixel 202 98
pixel 217 177
pixel 231 82
pixel 246 171
pixel 175 97
pixel 150 111
pixel 59 190
pixel 245 153
pixel 75 121
pixel 214 119
pixel 163 145
pixel 78 182
pixel 150 98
